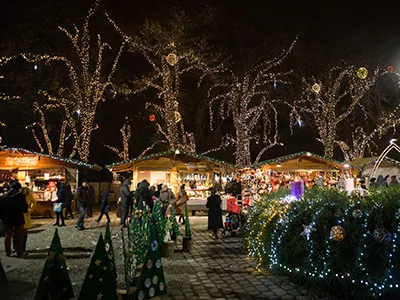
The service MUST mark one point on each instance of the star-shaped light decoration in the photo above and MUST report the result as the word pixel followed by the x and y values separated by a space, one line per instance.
pixel 307 230
pixel 99 296
pixel 98 262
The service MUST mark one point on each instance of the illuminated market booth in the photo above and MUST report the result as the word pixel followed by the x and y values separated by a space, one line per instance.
pixel 40 172
pixel 175 168
pixel 363 167
pixel 311 168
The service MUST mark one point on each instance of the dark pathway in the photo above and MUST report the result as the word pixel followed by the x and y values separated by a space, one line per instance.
pixel 219 269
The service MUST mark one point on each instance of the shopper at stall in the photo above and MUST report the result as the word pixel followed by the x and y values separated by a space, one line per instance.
pixel 144 196
pixel 393 181
pixel 12 208
pixel 60 204
pixel 84 196
pixel 91 202
pixel 31 201
pixel 180 204
pixel 68 201
pixel 214 212
pixel 166 196
pixel 105 206
pixel 126 200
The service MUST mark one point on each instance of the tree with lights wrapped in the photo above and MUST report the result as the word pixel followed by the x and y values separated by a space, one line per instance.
pixel 247 99
pixel 126 133
pixel 331 99
pixel 88 84
pixel 171 52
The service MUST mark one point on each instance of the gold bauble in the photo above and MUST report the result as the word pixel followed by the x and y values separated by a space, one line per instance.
pixel 178 117
pixel 316 88
pixel 362 73
pixel 338 233
pixel 172 59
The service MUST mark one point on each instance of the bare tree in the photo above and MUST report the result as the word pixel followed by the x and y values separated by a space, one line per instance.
pixel 248 99
pixel 331 99
pixel 171 51
pixel 88 84
pixel 126 133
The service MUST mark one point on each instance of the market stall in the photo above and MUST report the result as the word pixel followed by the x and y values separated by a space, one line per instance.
pixel 177 167
pixel 365 165
pixel 311 168
pixel 40 172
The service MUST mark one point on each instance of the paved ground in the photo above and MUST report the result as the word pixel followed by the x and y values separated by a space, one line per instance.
pixel 216 269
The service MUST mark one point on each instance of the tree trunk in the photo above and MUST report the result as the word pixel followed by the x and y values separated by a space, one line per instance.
pixel 243 154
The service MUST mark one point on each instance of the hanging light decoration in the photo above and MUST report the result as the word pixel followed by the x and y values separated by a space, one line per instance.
pixel 152 117
pixel 316 88
pixel 362 73
pixel 172 59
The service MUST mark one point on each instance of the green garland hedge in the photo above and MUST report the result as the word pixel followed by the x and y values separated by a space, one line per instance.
pixel 364 264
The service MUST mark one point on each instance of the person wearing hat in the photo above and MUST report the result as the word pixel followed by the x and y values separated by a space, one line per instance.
pixel 13 205
pixel 84 198
pixel 180 204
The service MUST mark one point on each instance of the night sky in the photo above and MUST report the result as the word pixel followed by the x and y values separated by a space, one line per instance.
pixel 244 31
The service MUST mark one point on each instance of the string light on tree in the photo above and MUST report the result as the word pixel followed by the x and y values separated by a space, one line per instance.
pixel 247 100
pixel 171 54
pixel 126 133
pixel 326 108
pixel 88 83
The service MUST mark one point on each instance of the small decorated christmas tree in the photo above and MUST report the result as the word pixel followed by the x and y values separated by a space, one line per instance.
pixel 159 220
pixel 174 231
pixel 110 249
pixel 5 286
pixel 54 282
pixel 152 282
pixel 100 282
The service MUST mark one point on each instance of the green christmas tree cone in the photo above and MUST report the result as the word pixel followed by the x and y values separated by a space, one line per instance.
pixel 187 239
pixel 175 227
pixel 158 219
pixel 54 282
pixel 4 284
pixel 110 249
pixel 100 282
pixel 152 281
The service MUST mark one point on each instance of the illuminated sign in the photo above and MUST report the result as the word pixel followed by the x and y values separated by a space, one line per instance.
pixel 22 161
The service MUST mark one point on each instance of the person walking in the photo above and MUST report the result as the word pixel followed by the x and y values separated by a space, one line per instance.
pixel 126 199
pixel 180 204
pixel 91 201
pixel 214 212
pixel 31 201
pixel 105 206
pixel 166 195
pixel 83 196
pixel 13 205
pixel 68 201
pixel 61 202
pixel 144 197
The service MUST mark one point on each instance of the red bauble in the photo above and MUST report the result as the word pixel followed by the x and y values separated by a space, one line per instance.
pixel 390 69
pixel 152 117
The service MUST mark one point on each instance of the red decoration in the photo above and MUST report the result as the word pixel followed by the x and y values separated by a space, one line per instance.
pixel 152 117
pixel 390 69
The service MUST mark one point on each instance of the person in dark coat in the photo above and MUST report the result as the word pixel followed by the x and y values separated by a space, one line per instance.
pixel 394 181
pixel 61 198
pixel 68 201
pixel 144 197
pixel 214 212
pixel 381 182
pixel 84 196
pixel 13 205
pixel 126 200
pixel 157 193
pixel 105 206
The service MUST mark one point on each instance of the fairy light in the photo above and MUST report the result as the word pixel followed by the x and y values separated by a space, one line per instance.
pixel 126 133
pixel 321 100
pixel 247 100
pixel 88 83
pixel 321 271
pixel 4 61
pixel 170 61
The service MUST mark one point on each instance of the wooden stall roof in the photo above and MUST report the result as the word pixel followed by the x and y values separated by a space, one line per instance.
pixel 24 160
pixel 359 163
pixel 304 160
pixel 170 155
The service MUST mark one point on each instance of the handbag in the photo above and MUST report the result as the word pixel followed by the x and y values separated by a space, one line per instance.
pixel 57 207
